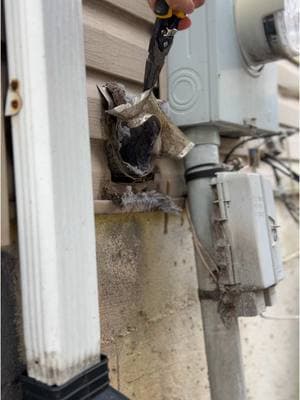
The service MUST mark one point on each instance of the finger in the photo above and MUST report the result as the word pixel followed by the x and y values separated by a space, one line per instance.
pixel 186 6
pixel 152 3
pixel 184 24
pixel 198 3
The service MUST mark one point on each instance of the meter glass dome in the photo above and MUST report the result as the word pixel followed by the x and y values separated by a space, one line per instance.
pixel 267 30
pixel 287 26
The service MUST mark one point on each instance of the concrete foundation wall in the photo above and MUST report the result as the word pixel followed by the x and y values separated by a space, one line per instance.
pixel 151 326
pixel 151 320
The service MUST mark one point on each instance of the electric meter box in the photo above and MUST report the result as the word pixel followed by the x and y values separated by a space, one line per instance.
pixel 209 81
pixel 246 230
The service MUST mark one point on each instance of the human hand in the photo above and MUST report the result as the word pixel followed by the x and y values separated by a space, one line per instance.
pixel 187 6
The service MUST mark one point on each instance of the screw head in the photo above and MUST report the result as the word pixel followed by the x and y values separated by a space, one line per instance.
pixel 14 104
pixel 14 84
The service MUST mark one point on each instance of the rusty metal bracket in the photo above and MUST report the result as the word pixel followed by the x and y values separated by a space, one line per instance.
pixel 14 102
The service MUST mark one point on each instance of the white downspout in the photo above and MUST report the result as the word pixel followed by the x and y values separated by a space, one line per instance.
pixel 54 188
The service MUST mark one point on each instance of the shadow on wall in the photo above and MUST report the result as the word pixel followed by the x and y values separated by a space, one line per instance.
pixel 12 348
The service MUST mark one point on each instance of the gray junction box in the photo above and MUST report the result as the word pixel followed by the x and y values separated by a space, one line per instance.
pixel 246 237
pixel 209 81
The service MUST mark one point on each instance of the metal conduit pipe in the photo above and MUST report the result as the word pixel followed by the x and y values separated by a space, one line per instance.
pixel 223 348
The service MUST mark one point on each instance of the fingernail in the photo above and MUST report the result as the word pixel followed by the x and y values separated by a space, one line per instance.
pixel 189 9
pixel 184 24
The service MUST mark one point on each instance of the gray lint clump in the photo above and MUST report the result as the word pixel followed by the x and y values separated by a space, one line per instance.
pixel 138 132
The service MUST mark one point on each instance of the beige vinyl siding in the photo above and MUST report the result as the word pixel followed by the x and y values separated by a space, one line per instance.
pixel 288 92
pixel 116 37
pixel 288 89
pixel 288 79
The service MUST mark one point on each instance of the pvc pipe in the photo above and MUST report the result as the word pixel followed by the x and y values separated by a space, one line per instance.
pixel 223 348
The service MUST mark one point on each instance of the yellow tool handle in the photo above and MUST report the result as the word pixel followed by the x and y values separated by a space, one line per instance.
pixel 163 11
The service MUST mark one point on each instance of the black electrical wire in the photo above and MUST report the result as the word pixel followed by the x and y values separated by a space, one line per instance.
pixel 292 209
pixel 226 159
pixel 283 164
pixel 289 206
pixel 288 171
pixel 276 168
pixel 283 168
pixel 229 154
pixel 294 213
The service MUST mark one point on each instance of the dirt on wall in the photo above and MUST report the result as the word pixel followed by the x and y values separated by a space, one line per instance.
pixel 12 347
pixel 150 313
pixel 151 319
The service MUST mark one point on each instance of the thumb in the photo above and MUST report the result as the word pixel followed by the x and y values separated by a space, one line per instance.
pixel 186 6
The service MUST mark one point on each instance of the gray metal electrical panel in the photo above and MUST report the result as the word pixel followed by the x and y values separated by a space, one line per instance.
pixel 209 81
pixel 246 237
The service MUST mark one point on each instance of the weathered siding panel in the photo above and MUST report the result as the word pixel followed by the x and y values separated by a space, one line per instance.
pixel 288 91
pixel 116 37
pixel 139 8
pixel 116 41
pixel 289 114
pixel 288 111
pixel 288 78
